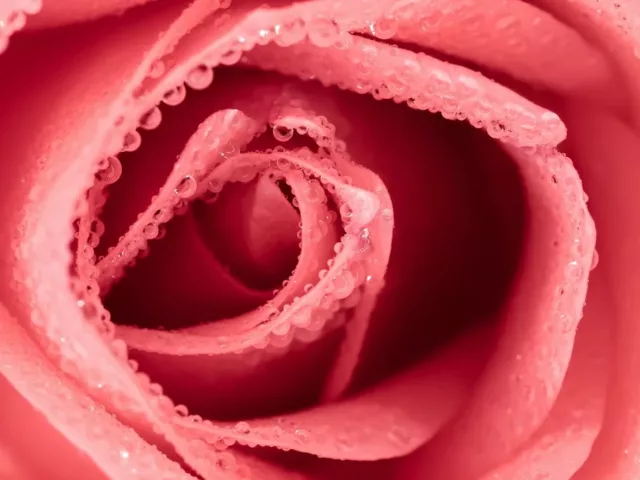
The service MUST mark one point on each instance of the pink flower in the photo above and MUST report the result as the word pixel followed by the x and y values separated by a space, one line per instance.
pixel 438 312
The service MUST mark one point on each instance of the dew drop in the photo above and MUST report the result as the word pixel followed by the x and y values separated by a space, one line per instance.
pixel 93 240
pixel 231 57
pixel 290 33
pixel 595 260
pixel 160 215
pixel 175 96
pixel 345 211
pixel 282 329
pixel 302 435
pixel 110 170
pixel 132 141
pixel 343 285
pixel 97 227
pixel 431 20
pixel 226 461
pixel 151 119
pixel 573 271
pixel 209 197
pixel 200 77
pixel 157 69
pixel 283 163
pixel 323 32
pixel 385 28
pixel 182 410
pixel 186 188
pixel 242 427
pixel 282 133
pixel 215 185
pixel 150 231
pixel 314 193
pixel 364 241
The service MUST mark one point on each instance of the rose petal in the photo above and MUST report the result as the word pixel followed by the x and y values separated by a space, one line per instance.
pixel 506 36
pixel 56 12
pixel 388 421
pixel 38 239
pixel 255 231
pixel 111 447
pixel 600 136
pixel 563 442
pixel 79 126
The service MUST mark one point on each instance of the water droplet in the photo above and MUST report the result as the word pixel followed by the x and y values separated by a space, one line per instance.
pixel 151 119
pixel 231 56
pixel 290 33
pixel 302 435
pixel 595 260
pixel 282 329
pixel 364 241
pixel 157 69
pixel 175 96
pixel 215 185
pixel 314 194
pixel 431 20
pixel 343 285
pixel 242 427
pixel 93 240
pixel 97 227
pixel 385 28
pixel 573 271
pixel 182 410
pixel 131 142
pixel 387 214
pixel 283 164
pixel 345 211
pixel 282 133
pixel 226 461
pixel 110 170
pixel 210 197
pixel 200 77
pixel 323 32
pixel 150 231
pixel 186 188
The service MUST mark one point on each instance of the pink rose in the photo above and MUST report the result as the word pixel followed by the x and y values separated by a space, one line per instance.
pixel 431 317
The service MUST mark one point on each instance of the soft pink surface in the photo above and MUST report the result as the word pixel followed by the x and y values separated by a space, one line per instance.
pixel 431 320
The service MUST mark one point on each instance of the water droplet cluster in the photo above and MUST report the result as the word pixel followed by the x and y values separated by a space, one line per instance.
pixel 338 208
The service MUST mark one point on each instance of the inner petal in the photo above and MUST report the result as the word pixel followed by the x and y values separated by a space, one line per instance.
pixel 253 229
pixel 460 214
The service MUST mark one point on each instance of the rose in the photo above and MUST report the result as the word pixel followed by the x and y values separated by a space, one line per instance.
pixel 514 399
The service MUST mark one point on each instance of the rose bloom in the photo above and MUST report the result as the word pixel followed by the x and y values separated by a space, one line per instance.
pixel 320 239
